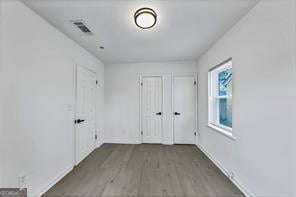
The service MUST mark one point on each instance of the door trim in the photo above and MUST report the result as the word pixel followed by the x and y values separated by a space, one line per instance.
pixel 75 107
pixel 195 104
pixel 141 101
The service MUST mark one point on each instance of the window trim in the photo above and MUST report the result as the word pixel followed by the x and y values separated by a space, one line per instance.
pixel 222 131
pixel 226 131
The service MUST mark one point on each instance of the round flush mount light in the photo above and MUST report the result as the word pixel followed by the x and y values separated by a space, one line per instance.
pixel 145 18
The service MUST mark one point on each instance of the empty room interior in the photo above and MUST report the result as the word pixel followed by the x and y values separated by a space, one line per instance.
pixel 148 98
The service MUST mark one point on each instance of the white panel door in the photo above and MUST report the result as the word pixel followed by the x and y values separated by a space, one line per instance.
pixel 152 109
pixel 85 124
pixel 184 109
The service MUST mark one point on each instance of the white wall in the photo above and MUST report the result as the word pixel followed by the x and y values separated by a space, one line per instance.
pixel 122 98
pixel 1 59
pixel 262 46
pixel 36 80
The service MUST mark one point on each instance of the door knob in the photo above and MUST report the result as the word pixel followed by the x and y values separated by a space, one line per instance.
pixel 159 113
pixel 177 114
pixel 79 121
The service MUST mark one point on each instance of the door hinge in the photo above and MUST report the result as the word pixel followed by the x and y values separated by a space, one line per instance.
pixel 141 132
pixel 195 83
pixel 96 136
pixel 96 82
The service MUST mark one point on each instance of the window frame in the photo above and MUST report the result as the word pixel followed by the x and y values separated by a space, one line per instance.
pixel 213 99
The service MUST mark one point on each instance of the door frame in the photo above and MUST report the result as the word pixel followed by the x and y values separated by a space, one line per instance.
pixel 75 107
pixel 141 106
pixel 196 138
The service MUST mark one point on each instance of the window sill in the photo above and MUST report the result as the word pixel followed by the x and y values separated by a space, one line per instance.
pixel 222 131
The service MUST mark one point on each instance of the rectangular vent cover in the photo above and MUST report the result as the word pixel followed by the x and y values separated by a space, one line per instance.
pixel 82 26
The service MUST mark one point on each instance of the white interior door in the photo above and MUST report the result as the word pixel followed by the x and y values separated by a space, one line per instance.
pixel 184 109
pixel 85 124
pixel 152 109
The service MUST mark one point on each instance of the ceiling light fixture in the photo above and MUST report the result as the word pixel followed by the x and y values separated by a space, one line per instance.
pixel 145 18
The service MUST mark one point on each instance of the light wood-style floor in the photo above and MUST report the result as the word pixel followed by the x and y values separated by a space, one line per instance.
pixel 145 170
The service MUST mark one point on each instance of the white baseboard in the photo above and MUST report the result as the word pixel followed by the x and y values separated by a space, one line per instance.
pixel 116 141
pixel 62 175
pixel 100 142
pixel 112 141
pixel 234 180
pixel 53 182
pixel 167 143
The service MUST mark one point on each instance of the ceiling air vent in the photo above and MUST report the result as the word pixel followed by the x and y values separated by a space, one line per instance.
pixel 82 26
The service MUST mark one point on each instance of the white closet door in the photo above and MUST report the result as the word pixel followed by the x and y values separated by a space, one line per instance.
pixel 85 113
pixel 152 109
pixel 184 109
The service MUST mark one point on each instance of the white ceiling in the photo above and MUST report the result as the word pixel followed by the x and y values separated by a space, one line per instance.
pixel 185 28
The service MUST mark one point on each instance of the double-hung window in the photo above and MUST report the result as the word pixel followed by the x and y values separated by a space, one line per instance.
pixel 220 98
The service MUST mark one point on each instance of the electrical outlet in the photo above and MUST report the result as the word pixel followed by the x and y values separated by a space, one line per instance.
pixel 22 181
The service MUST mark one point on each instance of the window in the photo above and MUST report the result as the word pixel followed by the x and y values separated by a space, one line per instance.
pixel 220 97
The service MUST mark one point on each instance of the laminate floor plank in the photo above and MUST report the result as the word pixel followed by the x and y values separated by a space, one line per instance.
pixel 145 170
